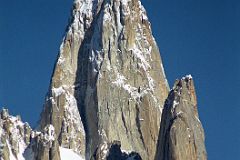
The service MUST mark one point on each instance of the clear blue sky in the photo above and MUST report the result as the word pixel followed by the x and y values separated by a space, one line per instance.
pixel 200 37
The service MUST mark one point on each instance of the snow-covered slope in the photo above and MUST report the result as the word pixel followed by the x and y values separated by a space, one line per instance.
pixel 68 154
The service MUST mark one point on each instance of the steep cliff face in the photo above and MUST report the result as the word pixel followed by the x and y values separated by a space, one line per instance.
pixel 61 110
pixel 109 67
pixel 106 96
pixel 120 83
pixel 181 135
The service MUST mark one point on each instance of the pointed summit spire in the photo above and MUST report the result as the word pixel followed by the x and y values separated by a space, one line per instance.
pixel 109 69
pixel 181 135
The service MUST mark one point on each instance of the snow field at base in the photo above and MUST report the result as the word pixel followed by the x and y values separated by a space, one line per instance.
pixel 68 154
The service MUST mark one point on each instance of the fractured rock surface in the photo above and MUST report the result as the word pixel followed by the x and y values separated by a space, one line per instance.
pixel 181 135
pixel 109 67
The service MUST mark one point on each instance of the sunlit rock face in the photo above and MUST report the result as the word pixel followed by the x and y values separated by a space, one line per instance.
pixel 109 68
pixel 181 135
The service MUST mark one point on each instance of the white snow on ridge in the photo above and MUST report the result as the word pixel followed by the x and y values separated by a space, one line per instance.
pixel 61 60
pixel 125 2
pixel 50 135
pixel 133 91
pixel 11 156
pixel 107 16
pixel 140 55
pixel 58 91
pixel 174 105
pixel 73 113
pixel 120 80
pixel 187 77
pixel 17 137
pixel 68 154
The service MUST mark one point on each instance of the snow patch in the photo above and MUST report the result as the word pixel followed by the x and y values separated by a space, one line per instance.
pixel 175 103
pixel 126 9
pixel 51 132
pixel 73 113
pixel 139 54
pixel 187 77
pixel 11 156
pixel 58 91
pixel 142 11
pixel 133 91
pixel 107 16
pixel 125 2
pixel 120 80
pixel 151 82
pixel 104 149
pixel 16 121
pixel 68 154
pixel 61 60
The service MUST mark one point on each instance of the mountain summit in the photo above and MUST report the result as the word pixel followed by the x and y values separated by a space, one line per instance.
pixel 106 94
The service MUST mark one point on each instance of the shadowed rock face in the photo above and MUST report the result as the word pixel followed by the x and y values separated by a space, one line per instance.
pixel 112 151
pixel 181 135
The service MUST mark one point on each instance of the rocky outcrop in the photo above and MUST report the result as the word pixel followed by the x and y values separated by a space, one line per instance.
pixel 14 136
pixel 181 135
pixel 44 145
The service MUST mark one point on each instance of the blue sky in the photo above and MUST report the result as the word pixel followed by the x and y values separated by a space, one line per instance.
pixel 197 37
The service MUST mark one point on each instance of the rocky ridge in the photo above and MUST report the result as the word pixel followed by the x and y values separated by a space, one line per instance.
pixel 14 136
pixel 106 94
